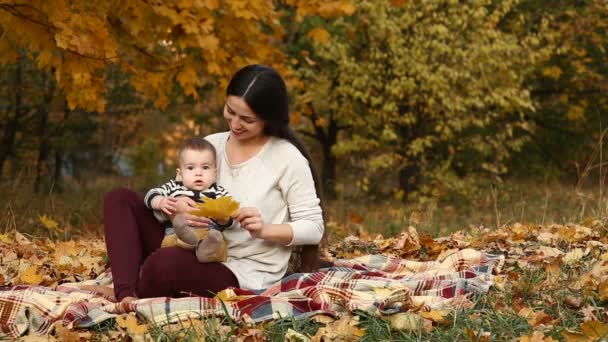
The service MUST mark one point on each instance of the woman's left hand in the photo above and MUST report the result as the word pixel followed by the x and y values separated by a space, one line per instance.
pixel 251 220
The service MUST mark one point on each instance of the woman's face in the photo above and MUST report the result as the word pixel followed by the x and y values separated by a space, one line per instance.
pixel 243 122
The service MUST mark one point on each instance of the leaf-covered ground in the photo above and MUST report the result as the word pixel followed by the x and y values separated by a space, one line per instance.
pixel 553 287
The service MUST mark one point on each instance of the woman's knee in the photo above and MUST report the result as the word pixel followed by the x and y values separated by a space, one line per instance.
pixel 160 273
pixel 119 195
pixel 163 264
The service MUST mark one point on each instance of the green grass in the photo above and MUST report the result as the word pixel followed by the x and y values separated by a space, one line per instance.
pixel 78 208
pixel 513 201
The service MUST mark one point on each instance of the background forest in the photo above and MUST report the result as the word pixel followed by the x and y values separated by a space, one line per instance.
pixel 440 113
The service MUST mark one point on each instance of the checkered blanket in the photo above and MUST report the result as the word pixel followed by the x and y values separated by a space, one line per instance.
pixel 373 283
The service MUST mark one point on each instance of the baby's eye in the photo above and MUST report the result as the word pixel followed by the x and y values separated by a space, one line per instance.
pixel 206 167
pixel 190 168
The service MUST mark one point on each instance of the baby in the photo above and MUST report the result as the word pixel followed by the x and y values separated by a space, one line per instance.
pixel 197 171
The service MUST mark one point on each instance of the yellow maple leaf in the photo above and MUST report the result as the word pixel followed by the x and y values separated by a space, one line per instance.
pixel 409 321
pixel 31 276
pixel 343 329
pixel 49 223
pixel 537 336
pixel 129 323
pixel 592 331
pixel 480 336
pixel 437 316
pixel 220 209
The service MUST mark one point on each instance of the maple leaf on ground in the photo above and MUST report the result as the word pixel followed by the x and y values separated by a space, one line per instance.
pixel 535 318
pixel 537 336
pixel 343 329
pixel 129 323
pixel 479 336
pixel 31 276
pixel 591 331
pixel 410 321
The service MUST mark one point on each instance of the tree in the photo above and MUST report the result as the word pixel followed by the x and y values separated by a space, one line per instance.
pixel 569 87
pixel 433 90
pixel 155 43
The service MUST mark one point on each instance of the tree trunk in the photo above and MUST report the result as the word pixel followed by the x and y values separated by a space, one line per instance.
pixel 57 176
pixel 410 178
pixel 329 160
pixel 42 132
pixel 10 130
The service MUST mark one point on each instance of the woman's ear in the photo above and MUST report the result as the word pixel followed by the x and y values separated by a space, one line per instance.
pixel 178 174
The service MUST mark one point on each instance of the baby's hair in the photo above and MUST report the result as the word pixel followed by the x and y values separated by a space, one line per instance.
pixel 195 144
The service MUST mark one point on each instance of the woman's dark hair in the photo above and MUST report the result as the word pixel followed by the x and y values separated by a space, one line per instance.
pixel 264 91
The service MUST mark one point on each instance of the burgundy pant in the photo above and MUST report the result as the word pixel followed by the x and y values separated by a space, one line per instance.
pixel 140 268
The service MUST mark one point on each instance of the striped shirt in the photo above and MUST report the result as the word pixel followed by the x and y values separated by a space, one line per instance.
pixel 175 188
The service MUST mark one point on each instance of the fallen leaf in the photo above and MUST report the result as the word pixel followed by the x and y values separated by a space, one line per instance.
pixel 573 302
pixel 21 239
pixel 66 335
pixel 409 321
pixel 591 331
pixel 548 252
pixel 535 318
pixel 251 335
pixel 589 313
pixel 573 256
pixel 31 276
pixel 343 329
pixel 129 323
pixel 477 336
pixel 294 336
pixel 536 336
pixel 437 316
pixel 603 290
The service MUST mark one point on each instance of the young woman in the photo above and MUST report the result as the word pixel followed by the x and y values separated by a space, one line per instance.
pixel 265 168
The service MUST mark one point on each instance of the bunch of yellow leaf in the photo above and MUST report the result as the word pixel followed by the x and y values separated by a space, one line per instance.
pixel 220 209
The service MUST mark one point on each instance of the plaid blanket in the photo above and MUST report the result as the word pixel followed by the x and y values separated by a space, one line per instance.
pixel 373 283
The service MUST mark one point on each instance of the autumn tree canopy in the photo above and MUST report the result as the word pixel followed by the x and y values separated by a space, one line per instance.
pixel 191 42
pixel 429 89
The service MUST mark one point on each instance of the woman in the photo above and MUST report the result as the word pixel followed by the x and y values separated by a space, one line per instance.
pixel 266 168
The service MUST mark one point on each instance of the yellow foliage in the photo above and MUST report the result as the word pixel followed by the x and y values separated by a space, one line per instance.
pixel 181 41
pixel 319 35
pixel 553 72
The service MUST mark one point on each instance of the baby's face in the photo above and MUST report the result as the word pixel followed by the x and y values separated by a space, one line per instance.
pixel 197 169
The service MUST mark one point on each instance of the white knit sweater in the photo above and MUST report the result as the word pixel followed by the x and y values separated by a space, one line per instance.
pixel 277 181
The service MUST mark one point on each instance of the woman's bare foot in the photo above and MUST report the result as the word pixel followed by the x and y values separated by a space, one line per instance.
pixel 103 290
pixel 128 300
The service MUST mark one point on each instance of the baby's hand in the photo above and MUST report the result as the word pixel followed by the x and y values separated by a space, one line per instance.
pixel 167 205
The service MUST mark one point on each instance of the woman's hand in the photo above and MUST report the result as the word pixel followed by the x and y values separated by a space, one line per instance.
pixel 251 220
pixel 191 221
pixel 184 204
